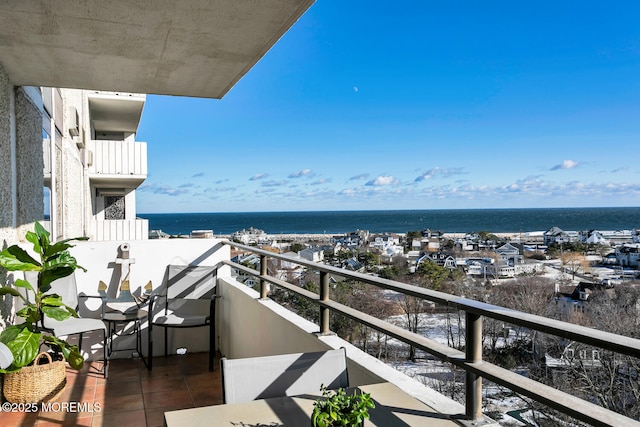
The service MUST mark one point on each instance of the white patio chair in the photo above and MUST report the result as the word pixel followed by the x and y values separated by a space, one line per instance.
pixel 67 289
pixel 254 378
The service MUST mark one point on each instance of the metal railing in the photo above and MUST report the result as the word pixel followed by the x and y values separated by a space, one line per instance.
pixel 470 360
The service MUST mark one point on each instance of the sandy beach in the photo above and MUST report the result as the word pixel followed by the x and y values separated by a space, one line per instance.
pixel 514 236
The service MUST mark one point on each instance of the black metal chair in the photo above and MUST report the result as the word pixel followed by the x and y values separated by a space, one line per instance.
pixel 187 301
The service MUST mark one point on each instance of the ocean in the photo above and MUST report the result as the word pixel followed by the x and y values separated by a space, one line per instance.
pixel 401 221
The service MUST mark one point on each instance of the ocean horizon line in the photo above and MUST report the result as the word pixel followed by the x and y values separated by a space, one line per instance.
pixel 392 210
pixel 498 220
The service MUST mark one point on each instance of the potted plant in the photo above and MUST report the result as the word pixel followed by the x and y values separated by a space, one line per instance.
pixel 337 408
pixel 26 339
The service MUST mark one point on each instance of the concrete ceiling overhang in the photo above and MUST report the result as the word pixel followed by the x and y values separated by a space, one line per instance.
pixel 198 48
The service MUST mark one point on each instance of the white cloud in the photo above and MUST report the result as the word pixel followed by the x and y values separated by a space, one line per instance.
pixel 163 189
pixel 567 164
pixel 438 171
pixel 358 177
pixel 258 176
pixel 274 183
pixel 321 181
pixel 383 180
pixel 300 174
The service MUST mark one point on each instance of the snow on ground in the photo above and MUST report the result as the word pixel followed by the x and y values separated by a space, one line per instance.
pixel 503 405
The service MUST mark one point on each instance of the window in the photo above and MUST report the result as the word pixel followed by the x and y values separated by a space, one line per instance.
pixel 114 207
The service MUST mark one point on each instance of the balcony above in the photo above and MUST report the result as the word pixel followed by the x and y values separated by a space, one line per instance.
pixel 115 112
pixel 136 229
pixel 118 164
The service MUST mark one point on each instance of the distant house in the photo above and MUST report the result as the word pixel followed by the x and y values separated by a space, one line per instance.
pixel 559 236
pixel 528 267
pixel 158 234
pixel 312 254
pixel 433 244
pixel 465 245
pixel 618 236
pixel 250 236
pixel 353 264
pixel 201 234
pixel 447 260
pixel 574 354
pixel 596 238
pixel 510 254
pixel 428 233
pixel 577 299
pixel 628 255
pixel 382 243
pixel 416 244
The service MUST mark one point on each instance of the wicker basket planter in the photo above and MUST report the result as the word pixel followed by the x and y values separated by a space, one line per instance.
pixel 36 383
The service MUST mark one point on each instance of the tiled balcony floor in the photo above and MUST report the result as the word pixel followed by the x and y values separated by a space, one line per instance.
pixel 131 396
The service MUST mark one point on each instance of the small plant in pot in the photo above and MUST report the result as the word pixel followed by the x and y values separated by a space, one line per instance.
pixel 337 408
pixel 26 339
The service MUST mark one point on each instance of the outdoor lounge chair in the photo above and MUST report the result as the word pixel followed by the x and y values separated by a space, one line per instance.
pixel 254 378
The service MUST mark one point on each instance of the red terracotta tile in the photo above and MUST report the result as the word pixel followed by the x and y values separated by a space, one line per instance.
pixel 123 388
pixel 132 402
pixel 155 384
pixel 120 419
pixel 15 419
pixel 168 399
pixel 155 417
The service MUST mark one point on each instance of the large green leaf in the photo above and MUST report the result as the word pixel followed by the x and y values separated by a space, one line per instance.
pixel 24 344
pixel 30 314
pixel 21 283
pixel 53 307
pixel 50 274
pixel 35 241
pixel 43 237
pixel 7 290
pixel 14 258
pixel 57 313
pixel 11 332
pixel 70 352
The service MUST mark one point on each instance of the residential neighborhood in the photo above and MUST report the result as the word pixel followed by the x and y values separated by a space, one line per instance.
pixel 605 256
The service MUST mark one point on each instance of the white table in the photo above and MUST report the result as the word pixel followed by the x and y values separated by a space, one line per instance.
pixel 394 408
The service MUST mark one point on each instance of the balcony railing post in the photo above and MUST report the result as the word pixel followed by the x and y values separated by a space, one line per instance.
pixel 473 354
pixel 264 286
pixel 324 296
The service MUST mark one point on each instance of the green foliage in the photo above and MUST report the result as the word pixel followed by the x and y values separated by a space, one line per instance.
pixel 389 273
pixel 434 272
pixel 25 339
pixel 297 247
pixel 338 408
pixel 413 235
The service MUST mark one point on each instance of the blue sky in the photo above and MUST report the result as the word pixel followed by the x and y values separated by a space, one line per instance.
pixel 414 105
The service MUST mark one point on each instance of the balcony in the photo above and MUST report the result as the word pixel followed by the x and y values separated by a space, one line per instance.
pixel 116 163
pixel 131 396
pixel 249 324
pixel 120 229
